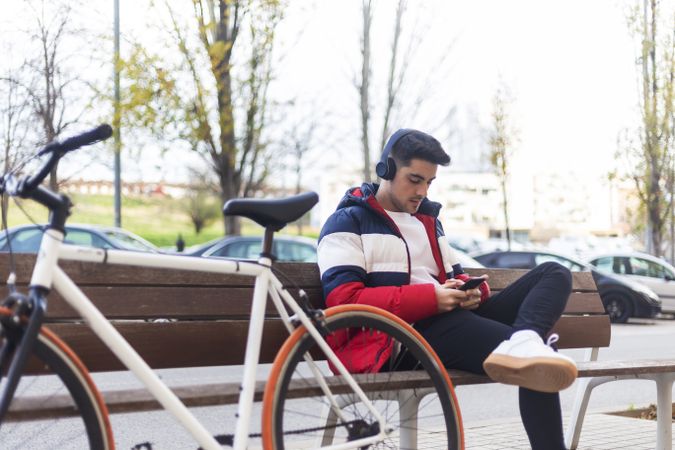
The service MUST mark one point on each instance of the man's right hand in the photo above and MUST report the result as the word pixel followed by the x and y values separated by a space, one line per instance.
pixel 449 298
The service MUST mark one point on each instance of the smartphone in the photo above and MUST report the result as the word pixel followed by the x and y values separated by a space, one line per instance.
pixel 472 283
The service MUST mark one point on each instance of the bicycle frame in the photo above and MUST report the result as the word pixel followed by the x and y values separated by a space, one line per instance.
pixel 47 273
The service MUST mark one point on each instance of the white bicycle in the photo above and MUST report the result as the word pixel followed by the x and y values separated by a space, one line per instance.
pixel 311 400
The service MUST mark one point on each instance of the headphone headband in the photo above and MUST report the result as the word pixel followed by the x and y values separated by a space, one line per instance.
pixel 386 168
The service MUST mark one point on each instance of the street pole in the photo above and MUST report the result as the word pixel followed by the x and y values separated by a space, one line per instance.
pixel 117 120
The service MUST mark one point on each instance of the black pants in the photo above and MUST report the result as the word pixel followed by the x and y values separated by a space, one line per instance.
pixel 463 339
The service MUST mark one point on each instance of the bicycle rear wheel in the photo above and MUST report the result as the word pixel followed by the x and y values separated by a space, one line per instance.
pixel 422 413
pixel 73 414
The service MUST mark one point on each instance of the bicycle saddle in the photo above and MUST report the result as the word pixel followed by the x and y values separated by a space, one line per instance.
pixel 271 213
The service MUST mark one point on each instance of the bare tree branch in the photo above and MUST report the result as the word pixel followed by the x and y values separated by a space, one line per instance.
pixel 392 86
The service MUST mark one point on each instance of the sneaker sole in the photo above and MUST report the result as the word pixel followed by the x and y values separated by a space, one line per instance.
pixel 538 374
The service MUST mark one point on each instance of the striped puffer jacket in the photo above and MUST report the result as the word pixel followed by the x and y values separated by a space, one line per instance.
pixel 363 259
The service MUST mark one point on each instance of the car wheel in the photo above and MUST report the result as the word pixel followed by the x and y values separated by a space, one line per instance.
pixel 618 307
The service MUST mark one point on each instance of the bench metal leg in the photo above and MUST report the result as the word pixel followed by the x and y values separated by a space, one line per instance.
pixel 581 399
pixel 664 404
pixel 332 417
pixel 664 411
pixel 329 431
pixel 409 403
pixel 578 413
pixel 586 386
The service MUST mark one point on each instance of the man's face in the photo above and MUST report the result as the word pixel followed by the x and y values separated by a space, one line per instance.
pixel 410 186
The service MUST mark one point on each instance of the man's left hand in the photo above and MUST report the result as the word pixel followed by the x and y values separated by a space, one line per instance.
pixel 472 299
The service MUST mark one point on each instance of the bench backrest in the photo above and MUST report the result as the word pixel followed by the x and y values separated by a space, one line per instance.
pixel 212 312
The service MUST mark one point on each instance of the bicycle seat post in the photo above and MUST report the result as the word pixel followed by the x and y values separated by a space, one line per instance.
pixel 267 244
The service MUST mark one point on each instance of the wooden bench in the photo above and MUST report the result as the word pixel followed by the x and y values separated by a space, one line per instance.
pixel 211 321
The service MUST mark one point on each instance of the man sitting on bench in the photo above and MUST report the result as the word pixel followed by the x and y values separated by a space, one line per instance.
pixel 384 246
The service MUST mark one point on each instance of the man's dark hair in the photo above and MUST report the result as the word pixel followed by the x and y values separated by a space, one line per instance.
pixel 418 145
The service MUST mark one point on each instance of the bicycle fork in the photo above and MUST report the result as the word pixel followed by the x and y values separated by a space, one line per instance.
pixel 35 305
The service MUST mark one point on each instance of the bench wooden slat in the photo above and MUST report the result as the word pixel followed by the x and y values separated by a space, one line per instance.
pixel 127 302
pixel 197 302
pixel 584 303
pixel 139 399
pixel 500 278
pixel 128 400
pixel 177 344
pixel 303 274
pixel 628 367
pixel 92 274
pixel 583 331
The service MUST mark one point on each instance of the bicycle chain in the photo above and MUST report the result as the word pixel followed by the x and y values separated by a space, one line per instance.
pixel 228 439
pixel 307 430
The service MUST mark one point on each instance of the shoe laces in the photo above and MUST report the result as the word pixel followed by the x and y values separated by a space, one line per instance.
pixel 552 339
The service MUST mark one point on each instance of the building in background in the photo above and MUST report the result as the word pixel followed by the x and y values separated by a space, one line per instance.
pixel 541 206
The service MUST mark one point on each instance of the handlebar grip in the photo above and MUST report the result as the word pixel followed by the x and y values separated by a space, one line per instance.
pixel 99 133
pixel 58 149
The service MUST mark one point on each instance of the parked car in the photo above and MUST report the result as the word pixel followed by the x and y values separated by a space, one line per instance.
pixel 622 298
pixel 27 238
pixel 499 244
pixel 465 260
pixel 655 273
pixel 285 248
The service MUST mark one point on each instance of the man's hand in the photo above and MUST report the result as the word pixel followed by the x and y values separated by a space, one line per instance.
pixel 472 299
pixel 449 297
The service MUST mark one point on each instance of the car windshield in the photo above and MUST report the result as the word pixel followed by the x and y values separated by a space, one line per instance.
pixel 23 241
pixel 573 266
pixel 128 241
pixel 294 251
pixel 249 248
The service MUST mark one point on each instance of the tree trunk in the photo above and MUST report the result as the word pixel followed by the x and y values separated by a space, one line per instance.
pixel 225 160
pixel 672 228
pixel 507 228
pixel 298 183
pixel 53 174
pixel 364 89
pixel 655 143
pixel 232 224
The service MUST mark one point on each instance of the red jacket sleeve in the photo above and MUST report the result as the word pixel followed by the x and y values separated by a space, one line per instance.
pixel 409 302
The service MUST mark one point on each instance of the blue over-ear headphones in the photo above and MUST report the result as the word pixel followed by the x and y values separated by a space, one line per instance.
pixel 386 168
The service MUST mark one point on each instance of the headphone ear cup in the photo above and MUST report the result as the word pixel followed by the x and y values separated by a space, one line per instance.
pixel 387 170
pixel 381 170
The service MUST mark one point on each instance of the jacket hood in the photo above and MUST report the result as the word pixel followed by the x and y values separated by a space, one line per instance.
pixel 364 197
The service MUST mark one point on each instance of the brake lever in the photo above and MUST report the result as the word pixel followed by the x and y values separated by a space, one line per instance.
pixel 12 186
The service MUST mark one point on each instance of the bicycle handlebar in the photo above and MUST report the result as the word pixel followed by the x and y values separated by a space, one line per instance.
pixel 57 150
pixel 99 133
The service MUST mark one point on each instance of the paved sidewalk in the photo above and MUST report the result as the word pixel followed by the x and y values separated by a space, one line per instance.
pixel 600 432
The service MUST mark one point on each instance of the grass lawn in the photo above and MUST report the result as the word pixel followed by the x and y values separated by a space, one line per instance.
pixel 158 219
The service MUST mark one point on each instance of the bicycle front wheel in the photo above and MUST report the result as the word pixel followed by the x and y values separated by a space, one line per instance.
pixel 419 408
pixel 72 412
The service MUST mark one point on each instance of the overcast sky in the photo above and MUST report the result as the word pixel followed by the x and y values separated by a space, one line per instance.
pixel 569 65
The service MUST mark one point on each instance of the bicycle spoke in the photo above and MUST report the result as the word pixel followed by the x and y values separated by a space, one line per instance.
pixel 296 423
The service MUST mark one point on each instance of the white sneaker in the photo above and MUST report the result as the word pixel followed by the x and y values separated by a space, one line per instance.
pixel 524 360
